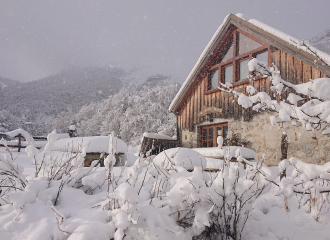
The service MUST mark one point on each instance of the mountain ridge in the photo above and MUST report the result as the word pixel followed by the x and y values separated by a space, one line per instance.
pixel 71 89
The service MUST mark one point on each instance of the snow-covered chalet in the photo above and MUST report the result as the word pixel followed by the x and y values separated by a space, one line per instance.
pixel 204 112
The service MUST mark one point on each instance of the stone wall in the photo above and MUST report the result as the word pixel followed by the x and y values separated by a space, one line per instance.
pixel 267 140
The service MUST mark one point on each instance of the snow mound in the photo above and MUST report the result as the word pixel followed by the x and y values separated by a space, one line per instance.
pixel 131 158
pixel 63 135
pixel 183 157
pixel 91 144
pixel 221 152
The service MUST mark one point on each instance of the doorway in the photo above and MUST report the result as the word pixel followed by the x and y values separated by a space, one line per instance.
pixel 210 134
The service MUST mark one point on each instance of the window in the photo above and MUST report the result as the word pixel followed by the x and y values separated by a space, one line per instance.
pixel 214 76
pixel 243 69
pixel 227 53
pixel 231 65
pixel 262 57
pixel 228 74
pixel 211 133
pixel 245 44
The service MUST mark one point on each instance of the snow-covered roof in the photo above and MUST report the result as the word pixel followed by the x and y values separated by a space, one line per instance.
pixel 262 31
pixel 91 144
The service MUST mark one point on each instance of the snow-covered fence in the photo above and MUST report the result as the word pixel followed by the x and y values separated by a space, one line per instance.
pixel 18 133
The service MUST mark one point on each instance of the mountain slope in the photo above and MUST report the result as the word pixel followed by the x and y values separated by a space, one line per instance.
pixel 322 41
pixel 5 82
pixel 70 89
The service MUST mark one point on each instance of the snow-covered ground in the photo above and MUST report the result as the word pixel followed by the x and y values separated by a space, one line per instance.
pixel 83 216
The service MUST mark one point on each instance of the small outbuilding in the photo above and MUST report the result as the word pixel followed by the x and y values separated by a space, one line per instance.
pixel 96 147
pixel 153 143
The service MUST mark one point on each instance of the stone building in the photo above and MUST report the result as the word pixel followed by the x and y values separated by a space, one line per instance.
pixel 204 112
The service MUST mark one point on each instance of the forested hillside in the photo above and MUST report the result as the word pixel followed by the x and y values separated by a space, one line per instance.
pixel 129 114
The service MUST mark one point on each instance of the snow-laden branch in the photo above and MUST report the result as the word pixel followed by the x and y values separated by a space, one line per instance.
pixel 308 106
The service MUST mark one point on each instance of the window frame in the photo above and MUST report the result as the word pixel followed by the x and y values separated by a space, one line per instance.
pixel 236 60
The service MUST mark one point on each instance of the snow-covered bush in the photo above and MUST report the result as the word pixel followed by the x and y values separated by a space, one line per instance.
pixel 174 189
pixel 11 176
pixel 310 183
pixel 230 198
pixel 235 139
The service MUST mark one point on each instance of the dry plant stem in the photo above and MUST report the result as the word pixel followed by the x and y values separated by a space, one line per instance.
pixel 58 192
pixel 10 153
pixel 159 187
pixel 12 174
pixel 16 188
pixel 144 179
pixel 59 222
pixel 92 168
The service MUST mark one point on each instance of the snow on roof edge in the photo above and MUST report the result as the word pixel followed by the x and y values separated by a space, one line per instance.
pixel 289 39
pixel 285 37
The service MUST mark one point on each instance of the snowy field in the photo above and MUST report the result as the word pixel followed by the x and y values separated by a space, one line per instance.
pixel 81 216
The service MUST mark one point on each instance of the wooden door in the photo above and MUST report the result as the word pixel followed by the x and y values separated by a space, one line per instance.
pixel 210 134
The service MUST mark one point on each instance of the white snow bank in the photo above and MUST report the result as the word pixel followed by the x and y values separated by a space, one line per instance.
pixel 220 153
pixel 213 163
pixel 86 216
pixel 63 135
pixel 91 144
pixel 270 221
pixel 183 157
pixel 157 136
pixel 131 158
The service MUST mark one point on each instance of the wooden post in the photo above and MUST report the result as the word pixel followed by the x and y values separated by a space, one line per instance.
pixel 284 146
pixel 284 152
pixel 19 142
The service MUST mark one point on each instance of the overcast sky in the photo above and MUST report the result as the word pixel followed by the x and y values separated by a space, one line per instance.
pixel 40 37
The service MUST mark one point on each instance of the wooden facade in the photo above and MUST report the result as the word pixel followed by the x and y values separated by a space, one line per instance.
pixel 196 100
